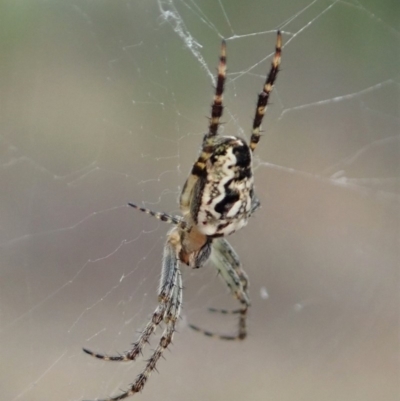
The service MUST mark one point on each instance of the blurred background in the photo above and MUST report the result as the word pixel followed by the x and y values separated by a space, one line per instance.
pixel 105 102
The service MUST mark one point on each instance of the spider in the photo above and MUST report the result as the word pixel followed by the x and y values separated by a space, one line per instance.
pixel 217 200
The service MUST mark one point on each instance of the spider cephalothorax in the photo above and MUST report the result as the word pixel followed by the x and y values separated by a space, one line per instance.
pixel 216 200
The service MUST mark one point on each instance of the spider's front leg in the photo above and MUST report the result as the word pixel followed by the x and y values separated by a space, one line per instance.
pixel 229 268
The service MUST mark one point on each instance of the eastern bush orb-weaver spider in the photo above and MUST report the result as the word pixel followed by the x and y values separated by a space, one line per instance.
pixel 217 200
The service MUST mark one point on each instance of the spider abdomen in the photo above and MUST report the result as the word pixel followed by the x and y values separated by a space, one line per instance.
pixel 225 191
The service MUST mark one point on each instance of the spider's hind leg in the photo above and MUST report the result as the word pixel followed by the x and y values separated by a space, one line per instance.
pixel 229 268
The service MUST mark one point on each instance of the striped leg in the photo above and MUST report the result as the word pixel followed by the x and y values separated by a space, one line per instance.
pixel 229 268
pixel 170 319
pixel 167 218
pixel 264 95
pixel 168 310
pixel 217 108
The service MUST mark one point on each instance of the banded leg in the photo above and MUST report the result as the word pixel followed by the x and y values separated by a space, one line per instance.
pixel 165 298
pixel 264 95
pixel 225 254
pixel 217 108
pixel 165 217
pixel 229 268
pixel 166 338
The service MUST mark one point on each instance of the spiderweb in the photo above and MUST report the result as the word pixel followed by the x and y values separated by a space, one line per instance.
pixel 105 103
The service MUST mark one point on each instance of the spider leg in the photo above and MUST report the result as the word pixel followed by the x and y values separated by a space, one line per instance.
pixel 264 95
pixel 255 204
pixel 170 318
pixel 199 168
pixel 225 311
pixel 217 107
pixel 165 298
pixel 229 268
pixel 165 217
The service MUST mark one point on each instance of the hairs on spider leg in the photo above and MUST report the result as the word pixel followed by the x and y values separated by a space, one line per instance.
pixel 165 217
